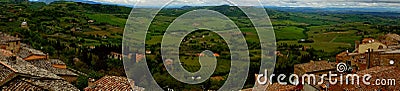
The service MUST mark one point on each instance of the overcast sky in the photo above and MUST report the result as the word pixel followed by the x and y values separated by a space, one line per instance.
pixel 285 3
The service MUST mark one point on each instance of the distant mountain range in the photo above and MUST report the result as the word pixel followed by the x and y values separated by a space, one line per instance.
pixel 83 1
pixel 390 12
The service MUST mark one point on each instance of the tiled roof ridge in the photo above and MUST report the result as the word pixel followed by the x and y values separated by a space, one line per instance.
pixel 47 65
pixel 15 75
pixel 33 51
pixel 108 76
pixel 32 84
pixel 39 77
pixel 108 82
pixel 37 69
pixel 8 66
pixel 9 77
pixel 77 72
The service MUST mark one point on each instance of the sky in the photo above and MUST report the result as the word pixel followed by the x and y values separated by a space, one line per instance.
pixel 280 3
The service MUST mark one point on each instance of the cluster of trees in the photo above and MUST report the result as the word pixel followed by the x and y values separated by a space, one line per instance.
pixel 49 30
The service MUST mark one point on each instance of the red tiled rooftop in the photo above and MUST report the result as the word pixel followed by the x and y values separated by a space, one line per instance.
pixel 111 83
pixel 280 87
pixel 316 66
pixel 274 87
pixel 15 70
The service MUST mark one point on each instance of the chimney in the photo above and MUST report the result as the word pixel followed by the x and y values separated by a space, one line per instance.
pixel 18 46
pixel 91 82
pixel 47 56
pixel 357 42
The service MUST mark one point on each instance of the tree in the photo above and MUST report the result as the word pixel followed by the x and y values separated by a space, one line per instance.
pixel 81 82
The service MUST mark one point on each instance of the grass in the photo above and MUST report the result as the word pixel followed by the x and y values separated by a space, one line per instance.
pixel 347 39
pixel 286 23
pixel 329 38
pixel 289 33
pixel 324 38
pixel 154 40
pixel 192 64
pixel 110 31
pixel 107 18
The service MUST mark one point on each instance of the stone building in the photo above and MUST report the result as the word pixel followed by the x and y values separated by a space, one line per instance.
pixel 9 42
pixel 373 53
pixel 26 69
pixel 115 55
pixel 20 75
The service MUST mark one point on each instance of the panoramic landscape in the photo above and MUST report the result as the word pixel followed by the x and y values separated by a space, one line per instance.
pixel 78 45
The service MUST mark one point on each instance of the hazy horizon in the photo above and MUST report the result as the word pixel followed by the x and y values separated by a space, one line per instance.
pixel 275 3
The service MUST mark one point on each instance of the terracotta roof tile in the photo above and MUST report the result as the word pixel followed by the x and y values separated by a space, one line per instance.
pixel 316 66
pixel 47 65
pixel 53 85
pixel 280 87
pixel 34 84
pixel 27 76
pixel 25 52
pixel 113 83
pixel 20 85
pixel 24 67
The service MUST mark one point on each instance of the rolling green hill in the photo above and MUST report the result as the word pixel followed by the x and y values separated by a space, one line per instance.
pixel 69 30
